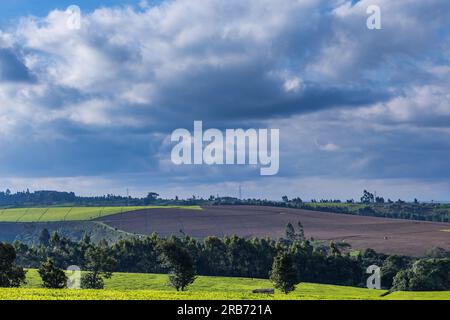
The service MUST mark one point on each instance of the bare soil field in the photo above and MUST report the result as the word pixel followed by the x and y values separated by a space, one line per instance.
pixel 392 236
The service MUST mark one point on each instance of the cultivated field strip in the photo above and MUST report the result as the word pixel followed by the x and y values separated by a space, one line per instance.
pixel 61 214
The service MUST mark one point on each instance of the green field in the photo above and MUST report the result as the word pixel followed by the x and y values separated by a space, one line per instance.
pixel 123 286
pixel 437 295
pixel 53 214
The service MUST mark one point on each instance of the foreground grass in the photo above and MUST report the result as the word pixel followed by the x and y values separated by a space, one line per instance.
pixel 126 286
pixel 140 281
pixel 429 295
pixel 305 291
pixel 47 294
pixel 54 214
pixel 154 286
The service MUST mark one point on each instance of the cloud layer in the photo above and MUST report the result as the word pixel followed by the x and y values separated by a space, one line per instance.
pixel 351 103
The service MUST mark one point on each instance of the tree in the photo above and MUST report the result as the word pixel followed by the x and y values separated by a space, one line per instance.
pixel 283 274
pixel 151 197
pixel 55 239
pixel 334 250
pixel 292 235
pixel 424 275
pixel 11 275
pixel 52 277
pixel 215 256
pixel 301 232
pixel 367 197
pixel 368 257
pixel 379 200
pixel 180 264
pixel 391 266
pixel 100 264
pixel 44 237
pixel 290 232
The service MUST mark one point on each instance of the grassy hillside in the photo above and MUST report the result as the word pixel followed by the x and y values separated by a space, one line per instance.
pixel 154 287
pixel 52 214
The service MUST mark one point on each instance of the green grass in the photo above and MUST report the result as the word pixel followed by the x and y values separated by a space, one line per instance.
pixel 46 294
pixel 141 281
pixel 448 230
pixel 417 295
pixel 54 214
pixel 154 287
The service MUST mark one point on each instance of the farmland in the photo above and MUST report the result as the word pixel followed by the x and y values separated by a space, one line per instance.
pixel 53 214
pixel 392 236
pixel 124 286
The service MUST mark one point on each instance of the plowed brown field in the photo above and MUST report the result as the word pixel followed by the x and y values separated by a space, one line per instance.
pixel 391 236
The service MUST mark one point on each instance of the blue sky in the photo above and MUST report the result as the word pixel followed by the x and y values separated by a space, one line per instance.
pixel 19 8
pixel 92 110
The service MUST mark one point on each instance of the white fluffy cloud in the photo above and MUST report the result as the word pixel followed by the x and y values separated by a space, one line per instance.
pixel 133 64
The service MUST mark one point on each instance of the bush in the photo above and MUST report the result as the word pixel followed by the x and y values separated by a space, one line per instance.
pixel 91 280
pixel 52 277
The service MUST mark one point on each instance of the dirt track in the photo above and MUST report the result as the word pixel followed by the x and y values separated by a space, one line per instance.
pixel 384 235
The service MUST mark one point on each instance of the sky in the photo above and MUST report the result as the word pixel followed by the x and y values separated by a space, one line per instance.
pixel 91 110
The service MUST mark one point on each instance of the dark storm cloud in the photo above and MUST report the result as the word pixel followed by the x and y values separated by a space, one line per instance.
pixel 244 94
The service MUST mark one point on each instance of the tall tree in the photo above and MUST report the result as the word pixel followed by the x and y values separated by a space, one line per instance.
pixel 11 275
pixel 367 197
pixel 301 232
pixel 290 232
pixel 44 237
pixel 99 263
pixel 180 264
pixel 284 275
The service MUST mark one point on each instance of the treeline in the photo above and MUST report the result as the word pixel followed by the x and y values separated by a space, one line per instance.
pixel 369 205
pixel 239 257
pixel 408 211
pixel 377 207
pixel 57 198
